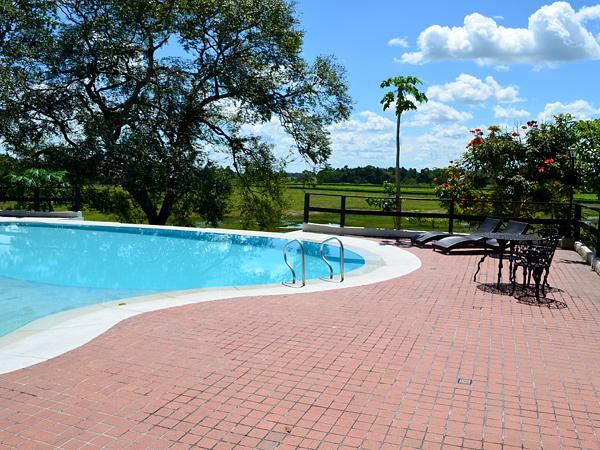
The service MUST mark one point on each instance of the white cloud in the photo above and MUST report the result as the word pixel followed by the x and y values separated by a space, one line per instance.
pixel 436 112
pixel 580 109
pixel 469 89
pixel 509 113
pixel 588 13
pixel 436 148
pixel 555 34
pixel 399 42
pixel 371 122
pixel 366 138
pixel 369 138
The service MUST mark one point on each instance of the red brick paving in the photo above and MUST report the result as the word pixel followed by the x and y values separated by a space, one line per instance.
pixel 372 367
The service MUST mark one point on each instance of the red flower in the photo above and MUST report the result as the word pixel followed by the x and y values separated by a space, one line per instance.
pixel 524 127
pixel 478 140
pixel 435 179
pixel 515 133
pixel 541 170
pixel 548 161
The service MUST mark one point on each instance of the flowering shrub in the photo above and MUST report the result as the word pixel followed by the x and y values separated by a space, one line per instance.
pixel 454 184
pixel 529 165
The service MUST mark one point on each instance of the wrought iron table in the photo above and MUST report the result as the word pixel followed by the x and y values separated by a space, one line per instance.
pixel 504 240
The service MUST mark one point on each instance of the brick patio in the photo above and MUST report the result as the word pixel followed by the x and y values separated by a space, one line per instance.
pixel 369 367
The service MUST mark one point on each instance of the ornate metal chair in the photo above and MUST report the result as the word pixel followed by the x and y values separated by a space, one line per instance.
pixel 535 259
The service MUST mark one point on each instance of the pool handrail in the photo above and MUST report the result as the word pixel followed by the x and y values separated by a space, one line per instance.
pixel 333 238
pixel 285 258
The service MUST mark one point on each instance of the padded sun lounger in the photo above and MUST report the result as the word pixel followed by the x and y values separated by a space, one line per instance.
pixel 489 225
pixel 450 243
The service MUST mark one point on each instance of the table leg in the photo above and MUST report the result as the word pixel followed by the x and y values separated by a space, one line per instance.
pixel 510 262
pixel 500 263
pixel 481 260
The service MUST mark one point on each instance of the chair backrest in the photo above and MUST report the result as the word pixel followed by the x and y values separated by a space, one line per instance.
pixel 537 254
pixel 516 227
pixel 549 233
pixel 489 225
pixel 547 248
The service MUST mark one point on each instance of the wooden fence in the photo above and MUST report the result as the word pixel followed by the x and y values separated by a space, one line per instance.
pixel 37 201
pixel 587 225
pixel 573 222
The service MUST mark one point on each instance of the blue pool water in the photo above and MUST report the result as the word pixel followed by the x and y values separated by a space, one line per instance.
pixel 46 269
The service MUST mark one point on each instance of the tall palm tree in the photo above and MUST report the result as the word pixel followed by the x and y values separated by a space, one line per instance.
pixel 404 96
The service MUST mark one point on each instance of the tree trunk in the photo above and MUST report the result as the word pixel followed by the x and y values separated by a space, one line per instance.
pixel 398 204
pixel 143 199
pixel 397 172
pixel 166 207
pixel 145 202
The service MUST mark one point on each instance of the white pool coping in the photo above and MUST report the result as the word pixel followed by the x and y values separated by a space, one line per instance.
pixel 51 336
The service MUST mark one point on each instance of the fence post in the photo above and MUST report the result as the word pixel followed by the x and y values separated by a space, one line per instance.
pixel 598 238
pixel 576 219
pixel 398 215
pixel 451 218
pixel 343 211
pixel 306 206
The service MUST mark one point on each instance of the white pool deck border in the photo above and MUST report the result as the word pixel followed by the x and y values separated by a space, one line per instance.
pixel 53 335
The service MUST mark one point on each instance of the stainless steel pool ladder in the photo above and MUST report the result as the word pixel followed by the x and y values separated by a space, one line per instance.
pixel 285 258
pixel 341 257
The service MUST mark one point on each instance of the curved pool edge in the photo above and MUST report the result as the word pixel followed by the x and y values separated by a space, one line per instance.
pixel 51 336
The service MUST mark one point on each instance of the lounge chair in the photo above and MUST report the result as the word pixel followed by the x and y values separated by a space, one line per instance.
pixel 487 226
pixel 450 243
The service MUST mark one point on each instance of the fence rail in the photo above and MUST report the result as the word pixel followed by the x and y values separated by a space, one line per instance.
pixel 573 222
pixel 588 226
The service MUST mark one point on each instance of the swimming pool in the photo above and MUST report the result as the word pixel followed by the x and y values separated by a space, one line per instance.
pixel 48 268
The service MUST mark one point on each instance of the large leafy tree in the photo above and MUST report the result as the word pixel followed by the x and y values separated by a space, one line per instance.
pixel 149 93
pixel 588 154
pixel 25 27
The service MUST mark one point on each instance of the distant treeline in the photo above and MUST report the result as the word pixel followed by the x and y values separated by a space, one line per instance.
pixel 367 174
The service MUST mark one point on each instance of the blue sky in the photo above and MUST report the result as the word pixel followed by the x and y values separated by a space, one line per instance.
pixel 481 63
